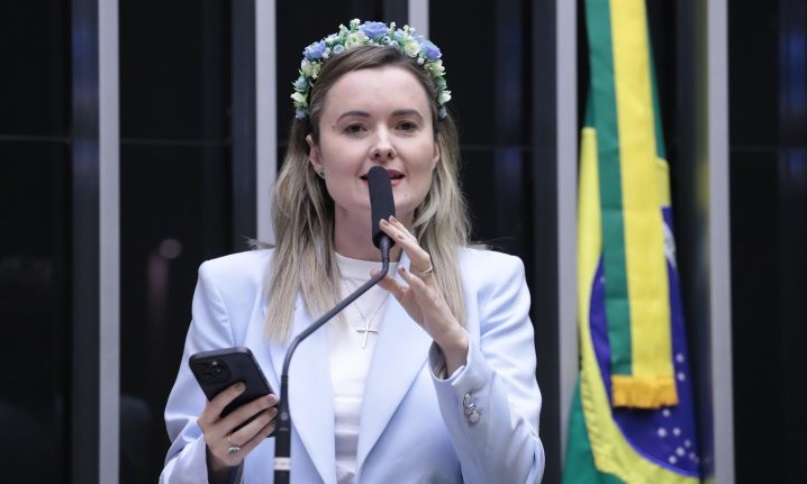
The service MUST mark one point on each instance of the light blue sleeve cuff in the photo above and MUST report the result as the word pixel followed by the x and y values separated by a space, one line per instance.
pixel 437 364
pixel 471 378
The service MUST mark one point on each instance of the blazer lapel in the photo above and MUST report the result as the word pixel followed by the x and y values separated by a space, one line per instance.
pixel 400 353
pixel 399 356
pixel 310 392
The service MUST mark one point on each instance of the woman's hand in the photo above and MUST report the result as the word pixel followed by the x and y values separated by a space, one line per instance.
pixel 422 298
pixel 226 446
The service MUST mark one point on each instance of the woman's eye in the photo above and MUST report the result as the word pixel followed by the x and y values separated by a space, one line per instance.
pixel 407 126
pixel 354 128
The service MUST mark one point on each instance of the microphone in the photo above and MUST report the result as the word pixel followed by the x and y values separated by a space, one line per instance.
pixel 382 206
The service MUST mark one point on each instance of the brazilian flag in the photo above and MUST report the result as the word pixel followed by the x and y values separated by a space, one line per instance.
pixel 632 416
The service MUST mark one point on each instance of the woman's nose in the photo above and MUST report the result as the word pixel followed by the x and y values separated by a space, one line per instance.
pixel 383 150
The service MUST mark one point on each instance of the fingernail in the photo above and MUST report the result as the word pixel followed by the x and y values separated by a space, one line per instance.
pixel 384 222
pixel 241 387
pixel 392 218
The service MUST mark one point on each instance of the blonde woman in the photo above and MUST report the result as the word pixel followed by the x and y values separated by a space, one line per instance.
pixel 427 377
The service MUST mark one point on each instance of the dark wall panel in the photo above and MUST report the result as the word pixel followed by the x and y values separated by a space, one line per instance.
pixel 174 60
pixel 768 166
pixel 176 199
pixel 34 311
pixel 35 205
pixel 34 87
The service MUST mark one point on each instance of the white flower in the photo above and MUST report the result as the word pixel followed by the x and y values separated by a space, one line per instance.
pixel 411 47
pixel 444 97
pixel 354 38
pixel 306 67
pixel 299 98
pixel 435 68
pixel 310 69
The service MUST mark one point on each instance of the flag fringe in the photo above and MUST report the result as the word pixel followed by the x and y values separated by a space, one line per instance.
pixel 636 392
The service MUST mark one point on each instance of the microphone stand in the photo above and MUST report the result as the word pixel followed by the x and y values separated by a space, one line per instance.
pixel 282 463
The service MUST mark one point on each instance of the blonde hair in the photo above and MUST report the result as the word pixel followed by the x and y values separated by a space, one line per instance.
pixel 303 211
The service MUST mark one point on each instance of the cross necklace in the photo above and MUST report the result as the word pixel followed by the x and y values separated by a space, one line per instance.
pixel 367 329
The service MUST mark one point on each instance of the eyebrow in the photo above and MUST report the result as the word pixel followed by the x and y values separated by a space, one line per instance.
pixel 407 112
pixel 397 113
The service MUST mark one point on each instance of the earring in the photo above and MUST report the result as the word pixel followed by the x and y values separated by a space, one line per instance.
pixel 321 174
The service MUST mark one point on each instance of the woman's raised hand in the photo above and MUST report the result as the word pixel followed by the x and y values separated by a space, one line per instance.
pixel 422 298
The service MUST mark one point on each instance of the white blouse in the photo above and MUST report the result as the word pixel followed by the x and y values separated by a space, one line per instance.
pixel 351 341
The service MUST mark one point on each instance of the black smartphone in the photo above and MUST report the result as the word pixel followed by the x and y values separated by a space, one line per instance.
pixel 217 370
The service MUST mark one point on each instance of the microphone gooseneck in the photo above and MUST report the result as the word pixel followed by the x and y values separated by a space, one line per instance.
pixel 382 206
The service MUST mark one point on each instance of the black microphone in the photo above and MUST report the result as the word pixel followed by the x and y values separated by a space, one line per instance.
pixel 382 206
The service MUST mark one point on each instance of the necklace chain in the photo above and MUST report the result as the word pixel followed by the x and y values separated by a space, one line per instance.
pixel 367 329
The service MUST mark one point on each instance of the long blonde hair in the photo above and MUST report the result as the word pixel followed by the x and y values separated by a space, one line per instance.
pixel 303 213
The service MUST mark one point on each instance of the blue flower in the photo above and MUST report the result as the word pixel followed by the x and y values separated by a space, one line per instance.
pixel 374 29
pixel 301 84
pixel 431 51
pixel 338 49
pixel 315 50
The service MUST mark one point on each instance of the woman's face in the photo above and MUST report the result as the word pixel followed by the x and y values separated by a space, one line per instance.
pixel 375 117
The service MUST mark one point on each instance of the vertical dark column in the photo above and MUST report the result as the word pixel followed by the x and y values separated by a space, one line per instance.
pixel 35 247
pixel 544 285
pixel 84 404
pixel 214 97
pixel 792 225
pixel 510 93
pixel 243 124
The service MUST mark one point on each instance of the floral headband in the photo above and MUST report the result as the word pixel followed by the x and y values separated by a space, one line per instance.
pixel 404 40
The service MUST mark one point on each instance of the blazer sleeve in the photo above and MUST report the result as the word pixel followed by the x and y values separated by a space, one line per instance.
pixel 491 406
pixel 186 460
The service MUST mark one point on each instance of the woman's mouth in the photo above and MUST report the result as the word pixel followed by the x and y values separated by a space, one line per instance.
pixel 395 177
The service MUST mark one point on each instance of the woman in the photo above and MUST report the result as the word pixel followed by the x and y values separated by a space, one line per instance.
pixel 434 384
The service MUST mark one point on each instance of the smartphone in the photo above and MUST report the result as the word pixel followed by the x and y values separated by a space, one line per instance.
pixel 217 370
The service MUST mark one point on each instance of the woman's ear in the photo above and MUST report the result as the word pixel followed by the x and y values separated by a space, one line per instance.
pixel 313 154
pixel 436 155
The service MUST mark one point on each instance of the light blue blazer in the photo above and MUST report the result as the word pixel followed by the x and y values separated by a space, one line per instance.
pixel 414 426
